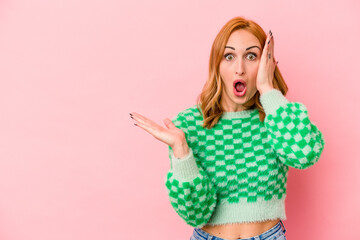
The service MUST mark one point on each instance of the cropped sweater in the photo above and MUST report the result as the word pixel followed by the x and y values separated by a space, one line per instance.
pixel 236 172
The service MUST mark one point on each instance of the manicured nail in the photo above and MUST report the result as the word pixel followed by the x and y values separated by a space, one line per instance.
pixel 270 33
pixel 268 42
pixel 132 117
pixel 130 114
pixel 277 62
pixel 135 124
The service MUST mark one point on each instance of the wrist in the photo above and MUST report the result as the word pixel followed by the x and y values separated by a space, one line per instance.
pixel 265 89
pixel 181 149
pixel 272 100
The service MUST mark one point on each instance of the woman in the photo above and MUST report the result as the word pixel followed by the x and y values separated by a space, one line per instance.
pixel 230 153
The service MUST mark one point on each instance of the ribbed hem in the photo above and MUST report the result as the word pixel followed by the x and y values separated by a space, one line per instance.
pixel 185 168
pixel 272 100
pixel 245 212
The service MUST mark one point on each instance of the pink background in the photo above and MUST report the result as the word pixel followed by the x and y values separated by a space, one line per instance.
pixel 73 165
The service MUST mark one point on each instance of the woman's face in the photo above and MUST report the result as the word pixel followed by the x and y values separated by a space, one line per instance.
pixel 240 61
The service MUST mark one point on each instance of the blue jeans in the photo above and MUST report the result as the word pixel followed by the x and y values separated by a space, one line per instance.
pixel 277 232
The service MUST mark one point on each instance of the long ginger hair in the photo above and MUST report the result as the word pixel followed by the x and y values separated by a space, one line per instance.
pixel 209 98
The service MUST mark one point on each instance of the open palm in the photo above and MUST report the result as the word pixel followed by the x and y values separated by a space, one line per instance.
pixel 170 135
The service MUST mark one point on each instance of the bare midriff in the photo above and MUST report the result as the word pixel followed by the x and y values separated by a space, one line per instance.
pixel 235 231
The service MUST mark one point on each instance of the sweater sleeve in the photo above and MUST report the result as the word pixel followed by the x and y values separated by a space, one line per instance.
pixel 191 193
pixel 295 139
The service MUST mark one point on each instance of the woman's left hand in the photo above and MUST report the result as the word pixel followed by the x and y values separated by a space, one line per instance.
pixel 265 75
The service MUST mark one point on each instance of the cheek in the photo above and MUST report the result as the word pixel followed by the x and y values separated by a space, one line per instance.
pixel 224 71
pixel 254 69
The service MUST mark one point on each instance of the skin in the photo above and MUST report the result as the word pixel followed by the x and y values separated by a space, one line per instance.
pixel 241 60
pixel 258 73
pixel 244 59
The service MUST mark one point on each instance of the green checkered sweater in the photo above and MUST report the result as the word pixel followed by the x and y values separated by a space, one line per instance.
pixel 237 171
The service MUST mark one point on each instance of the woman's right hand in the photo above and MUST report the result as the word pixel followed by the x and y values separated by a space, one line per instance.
pixel 172 136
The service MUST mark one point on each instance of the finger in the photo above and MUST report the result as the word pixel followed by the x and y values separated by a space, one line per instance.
pixel 138 117
pixel 272 45
pixel 271 50
pixel 267 48
pixel 148 125
pixel 145 127
pixel 169 124
pixel 264 55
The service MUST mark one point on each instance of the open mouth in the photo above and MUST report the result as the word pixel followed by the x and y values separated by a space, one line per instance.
pixel 239 87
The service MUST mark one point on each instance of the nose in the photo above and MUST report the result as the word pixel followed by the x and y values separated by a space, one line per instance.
pixel 240 67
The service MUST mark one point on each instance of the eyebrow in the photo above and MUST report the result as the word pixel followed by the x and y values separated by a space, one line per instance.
pixel 245 49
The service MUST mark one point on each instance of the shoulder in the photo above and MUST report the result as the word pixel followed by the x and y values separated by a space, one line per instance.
pixel 190 113
pixel 189 118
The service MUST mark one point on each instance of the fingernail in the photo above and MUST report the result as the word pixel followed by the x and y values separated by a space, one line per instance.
pixel 132 117
pixel 135 124
pixel 268 42
pixel 270 33
pixel 130 114
pixel 277 62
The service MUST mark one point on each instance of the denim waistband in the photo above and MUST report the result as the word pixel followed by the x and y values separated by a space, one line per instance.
pixel 201 234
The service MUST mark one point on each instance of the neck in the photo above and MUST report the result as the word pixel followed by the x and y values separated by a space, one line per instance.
pixel 229 106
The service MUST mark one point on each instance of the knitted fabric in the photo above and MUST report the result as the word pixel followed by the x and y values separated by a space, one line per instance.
pixel 237 171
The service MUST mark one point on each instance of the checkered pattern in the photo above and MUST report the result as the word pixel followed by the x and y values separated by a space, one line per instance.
pixel 297 142
pixel 241 159
pixel 193 200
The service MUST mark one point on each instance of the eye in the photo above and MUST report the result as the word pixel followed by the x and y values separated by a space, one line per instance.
pixel 229 56
pixel 252 56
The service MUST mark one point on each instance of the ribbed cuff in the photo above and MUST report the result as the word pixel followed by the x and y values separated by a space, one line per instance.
pixel 184 168
pixel 272 100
